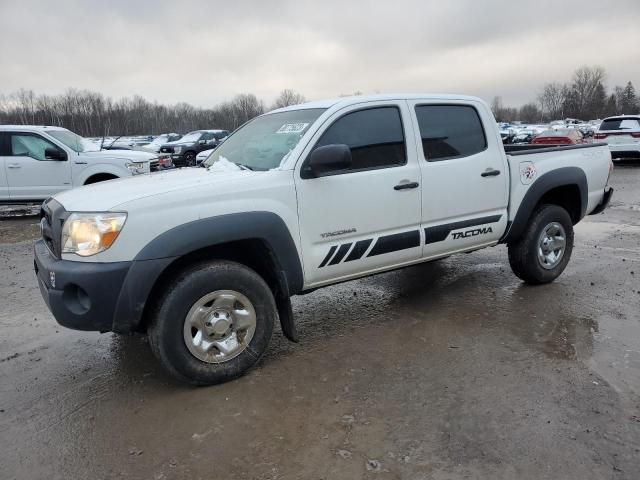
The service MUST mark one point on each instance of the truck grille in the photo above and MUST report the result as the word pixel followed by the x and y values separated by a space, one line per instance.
pixel 52 217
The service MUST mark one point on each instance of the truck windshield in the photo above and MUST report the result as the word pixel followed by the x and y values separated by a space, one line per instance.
pixel 265 141
pixel 73 141
pixel 191 137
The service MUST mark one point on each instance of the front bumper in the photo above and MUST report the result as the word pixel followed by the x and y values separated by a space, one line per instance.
pixel 604 203
pixel 96 296
pixel 81 295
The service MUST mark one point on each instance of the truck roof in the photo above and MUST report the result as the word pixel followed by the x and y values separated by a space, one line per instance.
pixel 41 128
pixel 354 99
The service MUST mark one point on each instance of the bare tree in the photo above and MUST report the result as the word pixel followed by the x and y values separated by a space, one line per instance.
pixel 584 87
pixel 288 97
pixel 530 113
pixel 552 100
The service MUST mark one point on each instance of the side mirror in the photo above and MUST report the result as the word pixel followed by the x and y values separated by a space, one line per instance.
pixel 202 142
pixel 54 154
pixel 326 160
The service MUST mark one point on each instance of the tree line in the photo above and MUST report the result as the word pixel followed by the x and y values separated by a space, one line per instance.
pixel 585 97
pixel 92 114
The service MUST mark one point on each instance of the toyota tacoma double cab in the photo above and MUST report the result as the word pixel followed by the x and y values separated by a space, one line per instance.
pixel 297 199
pixel 37 162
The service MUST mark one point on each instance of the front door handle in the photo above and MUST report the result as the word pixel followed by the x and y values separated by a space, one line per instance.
pixel 406 186
pixel 13 165
pixel 490 172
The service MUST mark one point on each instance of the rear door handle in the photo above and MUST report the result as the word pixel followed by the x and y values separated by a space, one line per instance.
pixel 406 186
pixel 490 172
pixel 13 165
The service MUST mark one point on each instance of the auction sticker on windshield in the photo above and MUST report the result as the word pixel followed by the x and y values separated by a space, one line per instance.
pixel 292 128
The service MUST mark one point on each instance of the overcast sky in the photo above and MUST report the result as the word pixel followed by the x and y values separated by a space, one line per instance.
pixel 204 52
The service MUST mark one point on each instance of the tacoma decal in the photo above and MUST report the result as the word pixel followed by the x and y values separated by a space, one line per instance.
pixel 338 233
pixel 472 233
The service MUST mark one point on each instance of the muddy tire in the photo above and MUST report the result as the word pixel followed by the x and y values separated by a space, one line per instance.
pixel 214 323
pixel 544 250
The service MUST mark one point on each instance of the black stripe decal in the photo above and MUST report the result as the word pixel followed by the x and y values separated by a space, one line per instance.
pixel 393 243
pixel 342 251
pixel 329 255
pixel 441 232
pixel 358 250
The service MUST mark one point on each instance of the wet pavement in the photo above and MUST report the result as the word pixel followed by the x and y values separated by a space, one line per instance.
pixel 447 370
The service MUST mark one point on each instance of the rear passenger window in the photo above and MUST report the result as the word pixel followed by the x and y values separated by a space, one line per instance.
pixel 450 131
pixel 375 137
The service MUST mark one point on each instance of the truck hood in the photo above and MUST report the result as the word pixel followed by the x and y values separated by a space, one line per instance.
pixel 130 155
pixel 104 196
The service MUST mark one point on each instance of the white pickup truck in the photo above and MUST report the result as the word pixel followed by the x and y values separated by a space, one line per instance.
pixel 300 198
pixel 37 162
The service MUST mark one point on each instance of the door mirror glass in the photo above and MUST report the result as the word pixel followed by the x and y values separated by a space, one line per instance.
pixel 54 154
pixel 328 159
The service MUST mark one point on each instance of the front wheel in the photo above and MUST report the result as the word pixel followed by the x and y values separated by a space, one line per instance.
pixel 214 324
pixel 190 159
pixel 544 250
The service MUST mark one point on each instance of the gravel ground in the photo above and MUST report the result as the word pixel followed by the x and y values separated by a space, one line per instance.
pixel 448 370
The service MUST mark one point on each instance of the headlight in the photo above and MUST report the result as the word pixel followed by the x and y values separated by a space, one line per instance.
pixel 177 149
pixel 86 234
pixel 136 167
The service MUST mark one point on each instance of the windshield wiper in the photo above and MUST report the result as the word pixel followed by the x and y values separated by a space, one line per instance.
pixel 243 166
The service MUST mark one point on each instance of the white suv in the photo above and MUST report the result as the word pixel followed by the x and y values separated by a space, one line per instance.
pixel 37 162
pixel 622 134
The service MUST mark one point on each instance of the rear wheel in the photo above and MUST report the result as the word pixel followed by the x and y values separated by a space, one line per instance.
pixel 214 323
pixel 544 250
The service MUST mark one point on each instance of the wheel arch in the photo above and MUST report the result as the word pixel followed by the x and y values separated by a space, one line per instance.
pixel 100 177
pixel 258 240
pixel 566 187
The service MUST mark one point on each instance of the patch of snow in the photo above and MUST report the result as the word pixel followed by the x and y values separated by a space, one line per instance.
pixel 223 165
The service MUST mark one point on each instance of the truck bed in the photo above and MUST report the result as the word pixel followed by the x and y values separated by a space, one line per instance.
pixel 515 150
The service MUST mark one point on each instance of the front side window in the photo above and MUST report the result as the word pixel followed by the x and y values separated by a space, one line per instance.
pixel 450 131
pixel 34 146
pixel 375 137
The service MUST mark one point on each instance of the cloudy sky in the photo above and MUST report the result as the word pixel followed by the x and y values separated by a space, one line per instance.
pixel 204 52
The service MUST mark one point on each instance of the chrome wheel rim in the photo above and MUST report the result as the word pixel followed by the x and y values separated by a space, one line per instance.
pixel 551 245
pixel 219 326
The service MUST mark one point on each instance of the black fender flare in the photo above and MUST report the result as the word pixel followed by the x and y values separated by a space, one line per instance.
pixel 189 237
pixel 560 177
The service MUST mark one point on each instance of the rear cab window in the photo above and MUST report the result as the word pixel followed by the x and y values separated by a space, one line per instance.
pixel 374 135
pixel 450 131
pixel 616 124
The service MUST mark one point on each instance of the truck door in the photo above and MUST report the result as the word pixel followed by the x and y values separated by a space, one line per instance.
pixel 4 186
pixel 30 174
pixel 465 178
pixel 364 218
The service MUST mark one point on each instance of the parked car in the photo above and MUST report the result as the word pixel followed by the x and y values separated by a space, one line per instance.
pixel 160 140
pixel 622 134
pixel 37 162
pixel 202 156
pixel 561 136
pixel 301 198
pixel 183 152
